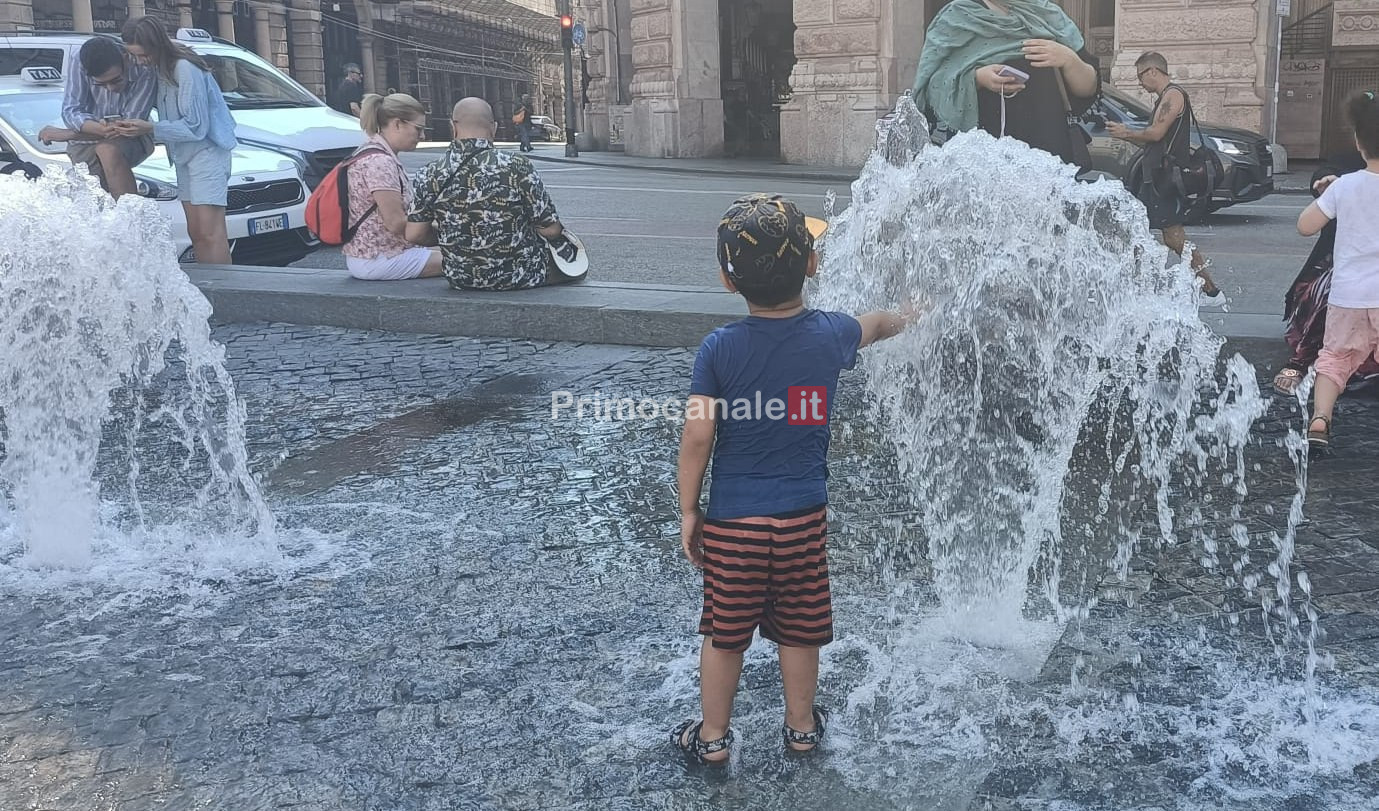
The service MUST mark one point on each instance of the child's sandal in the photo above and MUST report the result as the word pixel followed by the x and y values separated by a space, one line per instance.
pixel 696 747
pixel 810 739
pixel 1319 440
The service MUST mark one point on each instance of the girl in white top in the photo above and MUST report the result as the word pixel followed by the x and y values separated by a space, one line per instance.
pixel 380 193
pixel 1352 316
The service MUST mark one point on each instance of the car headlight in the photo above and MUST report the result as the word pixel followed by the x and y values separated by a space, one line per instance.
pixel 1228 147
pixel 153 189
pixel 302 159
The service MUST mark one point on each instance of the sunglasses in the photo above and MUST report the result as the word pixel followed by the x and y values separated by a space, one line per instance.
pixel 1140 75
pixel 109 82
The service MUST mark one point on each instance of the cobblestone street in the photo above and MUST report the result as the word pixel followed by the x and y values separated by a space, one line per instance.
pixel 507 623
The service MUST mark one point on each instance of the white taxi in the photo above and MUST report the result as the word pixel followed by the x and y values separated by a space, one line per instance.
pixel 265 214
pixel 271 110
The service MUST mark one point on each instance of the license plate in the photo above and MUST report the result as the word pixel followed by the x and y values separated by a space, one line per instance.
pixel 267 225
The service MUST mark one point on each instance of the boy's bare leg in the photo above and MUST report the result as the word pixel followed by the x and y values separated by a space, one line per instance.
pixel 1176 240
pixel 799 669
pixel 719 671
pixel 118 175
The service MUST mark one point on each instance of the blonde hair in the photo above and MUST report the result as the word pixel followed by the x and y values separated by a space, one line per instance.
pixel 377 112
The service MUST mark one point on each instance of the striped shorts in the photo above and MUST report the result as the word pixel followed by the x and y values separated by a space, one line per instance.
pixel 769 572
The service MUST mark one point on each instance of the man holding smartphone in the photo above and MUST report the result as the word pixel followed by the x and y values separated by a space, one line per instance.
pixel 105 86
pixel 1167 143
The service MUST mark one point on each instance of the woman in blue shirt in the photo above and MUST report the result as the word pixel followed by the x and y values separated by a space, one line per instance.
pixel 195 124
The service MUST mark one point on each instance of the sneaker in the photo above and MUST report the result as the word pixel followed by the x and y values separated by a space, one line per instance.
pixel 1216 300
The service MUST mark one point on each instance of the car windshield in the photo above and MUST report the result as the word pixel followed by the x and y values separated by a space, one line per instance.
pixel 27 113
pixel 249 86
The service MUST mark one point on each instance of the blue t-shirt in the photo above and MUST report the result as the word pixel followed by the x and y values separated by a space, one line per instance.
pixel 765 460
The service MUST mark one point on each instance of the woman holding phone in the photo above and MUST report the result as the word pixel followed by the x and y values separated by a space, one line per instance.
pixel 1011 67
pixel 195 124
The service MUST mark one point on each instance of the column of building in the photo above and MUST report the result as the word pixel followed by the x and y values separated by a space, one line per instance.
pixel 16 15
pixel 854 60
pixel 277 27
pixel 596 121
pixel 225 18
pixel 677 106
pixel 308 53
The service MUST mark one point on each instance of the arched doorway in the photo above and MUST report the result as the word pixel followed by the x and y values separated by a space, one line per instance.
pixel 757 49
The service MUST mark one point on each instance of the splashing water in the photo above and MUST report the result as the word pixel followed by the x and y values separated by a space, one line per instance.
pixel 94 311
pixel 1059 411
pixel 1054 335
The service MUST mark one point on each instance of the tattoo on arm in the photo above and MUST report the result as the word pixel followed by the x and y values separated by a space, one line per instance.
pixel 1168 112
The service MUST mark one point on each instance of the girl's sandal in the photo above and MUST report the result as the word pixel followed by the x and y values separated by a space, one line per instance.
pixel 686 739
pixel 795 739
pixel 1319 440
pixel 1287 380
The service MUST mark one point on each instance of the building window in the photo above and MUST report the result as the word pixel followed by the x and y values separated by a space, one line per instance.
pixel 1103 14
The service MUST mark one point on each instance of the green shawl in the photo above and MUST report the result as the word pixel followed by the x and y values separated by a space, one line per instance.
pixel 967 35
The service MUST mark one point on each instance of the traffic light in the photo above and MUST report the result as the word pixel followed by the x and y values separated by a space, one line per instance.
pixel 567 31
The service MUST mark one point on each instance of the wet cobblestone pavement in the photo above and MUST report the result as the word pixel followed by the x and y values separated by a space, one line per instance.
pixel 508 624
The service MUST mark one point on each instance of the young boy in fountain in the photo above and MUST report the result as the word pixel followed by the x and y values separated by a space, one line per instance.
pixel 760 401
pixel 1352 315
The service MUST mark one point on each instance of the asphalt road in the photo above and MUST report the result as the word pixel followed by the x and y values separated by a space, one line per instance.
pixel 658 228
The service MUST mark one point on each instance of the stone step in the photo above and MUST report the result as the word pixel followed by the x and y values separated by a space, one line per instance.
pixel 589 312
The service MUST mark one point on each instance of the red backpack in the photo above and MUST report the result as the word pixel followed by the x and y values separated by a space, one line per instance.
pixel 328 208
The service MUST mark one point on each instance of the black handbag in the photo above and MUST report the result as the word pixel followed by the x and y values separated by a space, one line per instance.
pixel 1078 137
pixel 1198 177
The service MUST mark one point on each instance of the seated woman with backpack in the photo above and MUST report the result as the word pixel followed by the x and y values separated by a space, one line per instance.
pixel 380 194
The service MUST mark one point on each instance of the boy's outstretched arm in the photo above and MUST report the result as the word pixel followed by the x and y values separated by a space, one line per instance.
pixel 883 324
pixel 696 445
pixel 1312 220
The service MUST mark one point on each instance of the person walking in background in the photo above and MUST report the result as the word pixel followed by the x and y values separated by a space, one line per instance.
pixel 762 544
pixel 522 118
pixel 195 124
pixel 1352 313
pixel 1167 143
pixel 349 94
pixel 380 193
pixel 1304 306
pixel 104 86
pixel 965 78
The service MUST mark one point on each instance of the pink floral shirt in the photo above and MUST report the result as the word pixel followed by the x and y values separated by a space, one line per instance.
pixel 376 171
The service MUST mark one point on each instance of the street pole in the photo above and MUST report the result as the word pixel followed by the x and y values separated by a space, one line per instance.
pixel 571 151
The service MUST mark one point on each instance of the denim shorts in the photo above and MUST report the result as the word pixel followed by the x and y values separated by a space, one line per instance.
pixel 204 178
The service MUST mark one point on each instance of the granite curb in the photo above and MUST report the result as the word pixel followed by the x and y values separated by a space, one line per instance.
pixel 745 168
pixel 620 313
pixel 590 312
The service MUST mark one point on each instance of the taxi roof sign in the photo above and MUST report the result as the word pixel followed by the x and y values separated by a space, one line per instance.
pixel 194 35
pixel 40 75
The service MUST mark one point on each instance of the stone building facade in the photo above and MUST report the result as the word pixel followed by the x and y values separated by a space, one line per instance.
pixel 436 50
pixel 807 80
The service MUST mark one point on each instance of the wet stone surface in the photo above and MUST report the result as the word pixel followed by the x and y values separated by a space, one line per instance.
pixel 507 623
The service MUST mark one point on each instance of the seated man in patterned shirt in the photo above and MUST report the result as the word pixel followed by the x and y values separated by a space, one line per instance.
pixel 486 209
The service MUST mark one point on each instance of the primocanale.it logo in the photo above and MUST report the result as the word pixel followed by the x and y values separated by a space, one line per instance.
pixel 803 405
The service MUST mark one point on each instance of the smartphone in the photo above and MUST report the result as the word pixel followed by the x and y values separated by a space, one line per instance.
pixel 111 119
pixel 1007 72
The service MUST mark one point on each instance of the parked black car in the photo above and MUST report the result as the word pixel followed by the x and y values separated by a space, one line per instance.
pixel 1245 155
